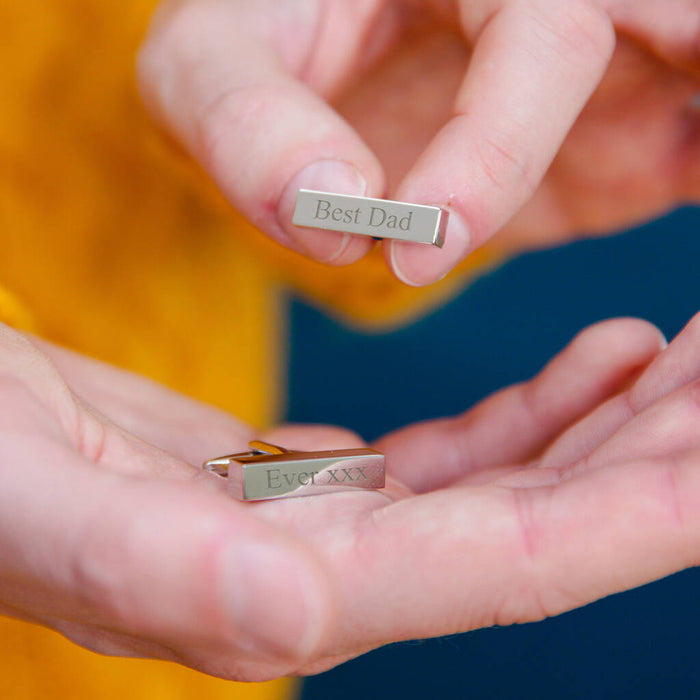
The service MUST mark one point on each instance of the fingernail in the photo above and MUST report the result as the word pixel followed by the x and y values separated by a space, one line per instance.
pixel 418 265
pixel 272 600
pixel 326 176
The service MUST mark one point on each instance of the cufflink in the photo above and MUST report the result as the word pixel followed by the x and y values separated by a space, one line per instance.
pixel 378 218
pixel 269 471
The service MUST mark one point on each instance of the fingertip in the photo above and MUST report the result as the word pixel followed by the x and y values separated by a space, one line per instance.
pixel 328 247
pixel 628 336
pixel 652 336
pixel 418 265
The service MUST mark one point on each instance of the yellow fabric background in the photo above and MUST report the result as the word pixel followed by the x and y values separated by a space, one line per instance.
pixel 116 245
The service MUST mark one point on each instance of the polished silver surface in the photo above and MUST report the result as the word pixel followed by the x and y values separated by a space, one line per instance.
pixel 379 218
pixel 269 471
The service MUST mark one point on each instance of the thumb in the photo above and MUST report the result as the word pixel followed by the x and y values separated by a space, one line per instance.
pixel 116 561
pixel 235 83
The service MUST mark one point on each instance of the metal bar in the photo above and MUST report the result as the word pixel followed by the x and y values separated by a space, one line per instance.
pixel 379 218
pixel 255 476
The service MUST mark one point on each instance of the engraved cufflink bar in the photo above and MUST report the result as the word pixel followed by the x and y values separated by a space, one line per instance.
pixel 378 218
pixel 269 471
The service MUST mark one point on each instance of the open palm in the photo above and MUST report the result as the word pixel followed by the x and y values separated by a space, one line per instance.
pixel 548 495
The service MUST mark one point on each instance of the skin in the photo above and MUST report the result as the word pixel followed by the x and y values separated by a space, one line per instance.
pixel 111 534
pixel 538 119
pixel 117 539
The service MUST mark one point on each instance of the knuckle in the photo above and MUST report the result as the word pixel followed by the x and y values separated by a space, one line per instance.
pixel 507 164
pixel 525 603
pixel 227 122
pixel 242 106
pixel 538 595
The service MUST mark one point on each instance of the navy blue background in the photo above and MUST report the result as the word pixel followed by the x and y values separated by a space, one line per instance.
pixel 502 329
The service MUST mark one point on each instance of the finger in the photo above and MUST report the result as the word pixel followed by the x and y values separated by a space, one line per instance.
pixel 677 366
pixel 668 27
pixel 190 430
pixel 235 83
pixel 168 564
pixel 313 437
pixel 515 424
pixel 493 556
pixel 60 413
pixel 587 434
pixel 22 363
pixel 535 65
pixel 668 427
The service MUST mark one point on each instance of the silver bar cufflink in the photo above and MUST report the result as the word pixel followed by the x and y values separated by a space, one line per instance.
pixel 379 218
pixel 269 471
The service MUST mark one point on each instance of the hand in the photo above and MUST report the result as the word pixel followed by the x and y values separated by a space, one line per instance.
pixel 371 97
pixel 127 549
pixel 546 496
